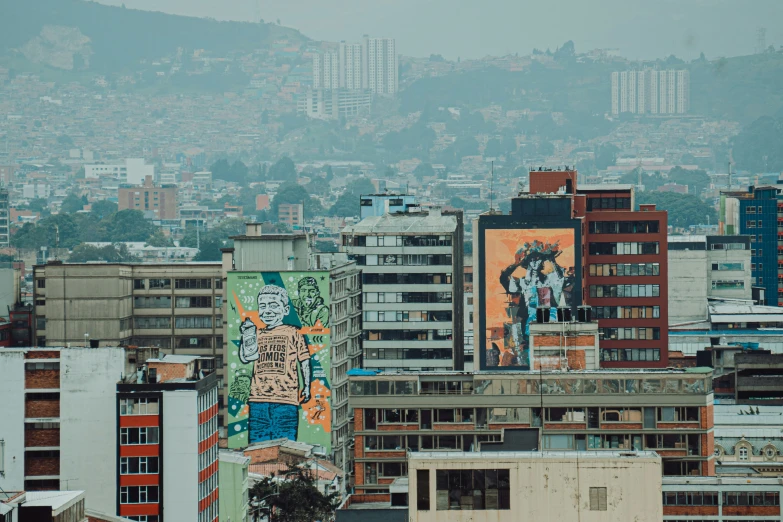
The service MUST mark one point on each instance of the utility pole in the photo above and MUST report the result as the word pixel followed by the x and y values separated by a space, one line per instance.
pixel 491 186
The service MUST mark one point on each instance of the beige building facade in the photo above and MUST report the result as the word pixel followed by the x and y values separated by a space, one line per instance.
pixel 547 486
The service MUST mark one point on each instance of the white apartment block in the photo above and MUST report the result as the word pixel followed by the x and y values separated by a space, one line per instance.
pixel 412 289
pixel 351 67
pixel 651 91
pixel 133 171
pixel 382 65
pixel 326 71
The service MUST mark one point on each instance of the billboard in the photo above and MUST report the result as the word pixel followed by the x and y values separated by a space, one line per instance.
pixel 523 269
pixel 278 359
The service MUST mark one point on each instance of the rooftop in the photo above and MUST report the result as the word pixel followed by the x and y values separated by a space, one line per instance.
pixel 405 223
pixel 603 187
pixel 530 455
pixel 57 500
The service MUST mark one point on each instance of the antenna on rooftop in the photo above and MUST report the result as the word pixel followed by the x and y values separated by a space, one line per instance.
pixel 491 185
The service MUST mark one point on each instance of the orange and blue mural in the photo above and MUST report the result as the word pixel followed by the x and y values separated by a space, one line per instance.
pixel 278 360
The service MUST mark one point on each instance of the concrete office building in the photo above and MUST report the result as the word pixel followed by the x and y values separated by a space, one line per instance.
pixel 412 288
pixel 58 427
pixel 157 202
pixel 380 204
pixel 748 440
pixel 371 65
pixel 352 66
pixel 334 104
pixel 326 70
pixel 132 171
pixel 234 485
pixel 590 486
pixel 667 411
pixel 167 445
pixel 257 252
pixel 704 267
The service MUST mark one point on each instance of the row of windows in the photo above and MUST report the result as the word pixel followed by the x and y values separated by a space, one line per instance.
pixel 624 227
pixel 476 490
pixel 621 249
pixel 195 321
pixel 403 259
pixel 721 284
pixel 406 316
pixel 407 297
pixel 129 436
pixel 630 333
pixel 138 494
pixel 407 335
pixel 625 290
pixel 397 241
pixel 144 518
pixel 139 465
pixel 625 269
pixel 408 353
pixel 730 498
pixel 626 312
pixel 406 279
pixel 427 442
pixel 728 266
pixel 42 366
pixel 139 406
pixel 152 323
pixel 630 354
pixel 180 284
pixel 609 203
pixel 164 301
pixel 754 224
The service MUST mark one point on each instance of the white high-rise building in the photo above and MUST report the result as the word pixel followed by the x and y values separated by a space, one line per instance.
pixel 133 171
pixel 352 67
pixel 326 71
pixel 683 91
pixel 380 58
pixel 651 91
pixel 615 92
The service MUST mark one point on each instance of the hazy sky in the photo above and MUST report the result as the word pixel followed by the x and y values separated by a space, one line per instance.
pixel 475 28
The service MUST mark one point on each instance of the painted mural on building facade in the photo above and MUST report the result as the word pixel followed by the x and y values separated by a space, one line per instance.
pixel 278 358
pixel 523 270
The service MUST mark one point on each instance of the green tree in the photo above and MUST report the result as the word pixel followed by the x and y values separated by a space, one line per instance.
pixel 348 202
pixel 293 193
pixel 757 147
pixel 39 205
pixel 159 239
pixel 103 208
pixel 494 149
pixel 296 498
pixel 209 250
pixel 605 156
pixel 110 254
pixel 697 180
pixel 129 225
pixel 683 209
pixel 73 203
pixel 424 170
pixel 326 246
pixel 283 169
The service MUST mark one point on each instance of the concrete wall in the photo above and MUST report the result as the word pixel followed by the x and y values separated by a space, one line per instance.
pixel 554 487
pixel 12 419
pixel 688 285
pixel 233 485
pixel 744 275
pixel 88 426
pixel 180 455
pixel 271 253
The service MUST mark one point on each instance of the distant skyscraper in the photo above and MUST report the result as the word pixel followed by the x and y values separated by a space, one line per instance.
pixel 380 58
pixel 326 71
pixel 352 68
pixel 651 91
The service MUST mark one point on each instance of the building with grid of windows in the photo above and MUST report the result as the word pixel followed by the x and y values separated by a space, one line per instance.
pixel 722 499
pixel 666 411
pixel 412 288
pixel 167 441
pixel 57 425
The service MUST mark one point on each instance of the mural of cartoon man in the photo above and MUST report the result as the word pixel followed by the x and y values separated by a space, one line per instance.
pixel 544 284
pixel 310 305
pixel 275 389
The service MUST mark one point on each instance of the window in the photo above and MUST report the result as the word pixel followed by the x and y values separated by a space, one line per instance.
pixel 41 283
pixel 193 302
pixel 132 436
pixel 193 322
pixel 152 323
pixel 743 453
pixel 423 489
pixel 138 494
pixel 138 284
pixel 138 465
pixel 597 499
pixel 728 266
pixel 193 342
pixel 477 490
pixel 139 406
pixel 160 284
pixel 617 249
pixel 163 301
pixel 193 284
pixel 736 283
pixel 624 227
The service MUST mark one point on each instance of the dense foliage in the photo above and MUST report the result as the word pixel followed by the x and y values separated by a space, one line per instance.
pixel 759 147
pixel 684 209
pixel 294 499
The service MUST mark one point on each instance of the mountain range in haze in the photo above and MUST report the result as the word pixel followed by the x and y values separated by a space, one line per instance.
pixel 640 29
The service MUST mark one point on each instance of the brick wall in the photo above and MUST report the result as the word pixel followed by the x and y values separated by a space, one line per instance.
pixel 747 511
pixel 260 456
pixel 34 379
pixel 42 354
pixel 691 510
pixel 168 371
pixel 42 408
pixel 38 438
pixel 37 467
pixel 398 427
